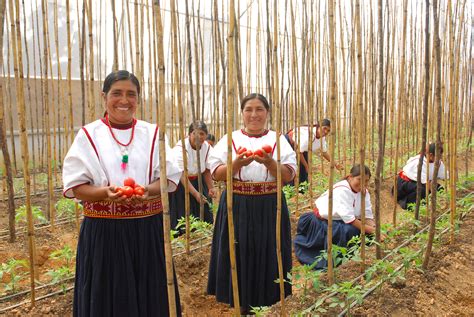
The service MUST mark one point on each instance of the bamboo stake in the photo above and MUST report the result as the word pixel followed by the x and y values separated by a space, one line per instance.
pixel 332 105
pixel 279 180
pixel 380 109
pixel 69 71
pixel 401 105
pixel 425 110
pixel 230 117
pixel 361 113
pixel 437 100
pixel 18 66
pixel 30 102
pixel 9 95
pixel 3 141
pixel 114 23
pixel 46 120
pixel 181 122
pixel 163 180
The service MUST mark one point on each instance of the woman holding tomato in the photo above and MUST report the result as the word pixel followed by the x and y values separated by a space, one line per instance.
pixel 196 141
pixel 254 170
pixel 120 263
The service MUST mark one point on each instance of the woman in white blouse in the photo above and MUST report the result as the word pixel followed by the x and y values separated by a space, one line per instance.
pixel 311 233
pixel 254 210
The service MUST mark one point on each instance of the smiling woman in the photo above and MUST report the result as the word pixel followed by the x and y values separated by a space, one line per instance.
pixel 120 268
pixel 254 170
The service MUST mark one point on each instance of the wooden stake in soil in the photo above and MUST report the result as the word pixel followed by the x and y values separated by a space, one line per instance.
pixel 3 141
pixel 276 102
pixel 230 118
pixel 18 66
pixel 163 179
pixel 332 106
pixel 437 100
pixel 177 85
pixel 380 107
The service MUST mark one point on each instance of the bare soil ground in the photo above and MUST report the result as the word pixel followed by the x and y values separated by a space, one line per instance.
pixel 446 289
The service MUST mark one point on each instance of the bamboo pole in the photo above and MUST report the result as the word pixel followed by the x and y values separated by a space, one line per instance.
pixel 47 119
pixel 332 105
pixel 380 109
pixel 230 117
pixel 361 120
pixel 181 119
pixel 279 180
pixel 30 101
pixel 425 109
pixel 18 66
pixel 8 88
pixel 68 75
pixel 163 180
pixel 437 100
pixel 400 108
pixel 3 141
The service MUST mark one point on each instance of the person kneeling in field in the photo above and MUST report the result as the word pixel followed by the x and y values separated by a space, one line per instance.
pixel 311 233
pixel 406 179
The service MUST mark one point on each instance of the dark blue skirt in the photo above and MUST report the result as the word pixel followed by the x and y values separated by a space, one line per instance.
pixel 177 208
pixel 311 238
pixel 120 268
pixel 255 245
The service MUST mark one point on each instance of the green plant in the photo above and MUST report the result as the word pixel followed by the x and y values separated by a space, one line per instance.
pixel 65 207
pixel 66 254
pixel 350 292
pixel 289 191
pixel 305 277
pixel 260 311
pixel 20 214
pixel 196 225
pixel 10 269
pixel 59 275
pixel 63 272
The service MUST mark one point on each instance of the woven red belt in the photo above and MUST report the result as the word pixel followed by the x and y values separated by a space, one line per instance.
pixel 192 177
pixel 112 210
pixel 404 176
pixel 254 189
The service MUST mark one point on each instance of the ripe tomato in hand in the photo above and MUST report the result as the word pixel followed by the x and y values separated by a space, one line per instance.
pixel 129 182
pixel 241 150
pixel 127 191
pixel 119 190
pixel 258 152
pixel 248 153
pixel 267 148
pixel 139 191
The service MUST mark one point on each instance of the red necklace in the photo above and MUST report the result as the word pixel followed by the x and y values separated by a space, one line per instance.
pixel 123 147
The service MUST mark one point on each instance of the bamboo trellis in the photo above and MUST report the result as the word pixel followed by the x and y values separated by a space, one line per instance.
pixel 311 63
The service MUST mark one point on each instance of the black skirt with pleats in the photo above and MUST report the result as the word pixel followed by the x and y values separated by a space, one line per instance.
pixel 177 206
pixel 120 268
pixel 255 246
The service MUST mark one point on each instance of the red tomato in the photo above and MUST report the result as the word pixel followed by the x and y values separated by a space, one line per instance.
pixel 241 150
pixel 258 152
pixel 267 148
pixel 129 182
pixel 139 191
pixel 127 191
pixel 119 190
pixel 248 153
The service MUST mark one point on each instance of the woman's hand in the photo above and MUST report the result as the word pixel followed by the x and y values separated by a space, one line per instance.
pixel 114 194
pixel 266 159
pixel 212 192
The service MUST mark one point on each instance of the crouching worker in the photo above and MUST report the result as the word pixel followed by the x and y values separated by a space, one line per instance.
pixel 406 179
pixel 311 233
